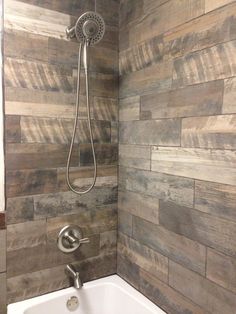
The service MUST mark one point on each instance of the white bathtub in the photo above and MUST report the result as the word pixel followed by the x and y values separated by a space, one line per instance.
pixel 110 295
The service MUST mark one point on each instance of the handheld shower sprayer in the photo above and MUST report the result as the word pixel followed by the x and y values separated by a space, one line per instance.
pixel 89 30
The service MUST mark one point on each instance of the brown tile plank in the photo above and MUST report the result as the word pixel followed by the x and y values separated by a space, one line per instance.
pixel 38 156
pixel 3 293
pixel 221 269
pixel 188 253
pixel 146 258
pixel 125 222
pixel 2 220
pixel 19 209
pixel 229 103
pixel 105 109
pixel 23 45
pixel 129 108
pixel 101 220
pixel 26 235
pixel 58 204
pixel 166 297
pixel 197 100
pixel 150 132
pixel 203 164
pixel 12 129
pixel 210 296
pixel 206 229
pixel 157 19
pixel 3 261
pixel 40 76
pixel 157 77
pixel 106 154
pixel 82 176
pixel 30 182
pixel 135 156
pixel 216 199
pixel 158 185
pixel 188 70
pixel 145 207
pixel 212 5
pixel 209 132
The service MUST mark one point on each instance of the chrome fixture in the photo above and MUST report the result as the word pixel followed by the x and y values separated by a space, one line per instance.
pixel 70 238
pixel 72 304
pixel 89 30
pixel 74 275
pixel 90 26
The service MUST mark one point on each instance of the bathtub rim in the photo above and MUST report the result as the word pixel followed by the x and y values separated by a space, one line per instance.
pixel 114 280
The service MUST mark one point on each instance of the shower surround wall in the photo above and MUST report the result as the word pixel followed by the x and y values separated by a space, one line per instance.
pixel 177 140
pixel 40 80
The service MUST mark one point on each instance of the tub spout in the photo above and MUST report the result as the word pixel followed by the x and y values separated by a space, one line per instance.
pixel 74 275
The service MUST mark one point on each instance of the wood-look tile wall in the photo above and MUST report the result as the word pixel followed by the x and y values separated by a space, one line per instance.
pixel 40 81
pixel 177 178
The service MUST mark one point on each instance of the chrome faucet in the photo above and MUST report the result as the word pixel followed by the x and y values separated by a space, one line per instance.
pixel 74 275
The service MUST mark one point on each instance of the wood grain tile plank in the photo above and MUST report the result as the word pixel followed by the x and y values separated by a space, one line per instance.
pixel 3 260
pixel 24 95
pixel 135 156
pixel 38 156
pixel 229 103
pixel 210 297
pixel 25 235
pixel 59 131
pixel 210 64
pixel 214 4
pixel 58 204
pixel 203 164
pixel 129 108
pixel 209 132
pixel 158 185
pixel 82 176
pixel 188 253
pixel 197 100
pixel 12 129
pixel 102 219
pixel 208 230
pixel 106 154
pixel 125 222
pixel 146 258
pixel 145 207
pixel 39 76
pixel 40 110
pixel 32 259
pixel 160 19
pixel 166 297
pixel 221 269
pixel 152 132
pixel 157 77
pixel 30 182
pixel 19 209
pixel 216 199
pixel 29 46
pixel 35 19
pixel 207 30
pixel 105 109
pixel 3 292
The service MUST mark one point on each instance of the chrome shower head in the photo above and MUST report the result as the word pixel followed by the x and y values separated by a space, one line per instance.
pixel 89 27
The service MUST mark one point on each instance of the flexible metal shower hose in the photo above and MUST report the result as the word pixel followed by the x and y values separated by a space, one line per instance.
pixel 85 55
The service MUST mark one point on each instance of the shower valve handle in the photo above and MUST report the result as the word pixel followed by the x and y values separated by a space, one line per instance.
pixel 84 240
pixel 70 238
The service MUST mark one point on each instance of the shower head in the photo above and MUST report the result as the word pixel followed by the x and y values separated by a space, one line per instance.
pixel 90 27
